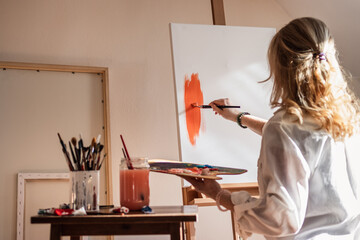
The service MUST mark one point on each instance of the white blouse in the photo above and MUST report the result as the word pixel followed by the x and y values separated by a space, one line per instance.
pixel 309 185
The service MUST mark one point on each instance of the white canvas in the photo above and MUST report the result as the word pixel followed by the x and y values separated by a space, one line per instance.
pixel 230 61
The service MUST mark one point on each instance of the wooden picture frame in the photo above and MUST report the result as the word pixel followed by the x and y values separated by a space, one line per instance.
pixel 102 73
pixel 23 178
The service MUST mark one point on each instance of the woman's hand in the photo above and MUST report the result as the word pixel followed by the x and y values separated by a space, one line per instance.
pixel 209 187
pixel 256 124
pixel 227 113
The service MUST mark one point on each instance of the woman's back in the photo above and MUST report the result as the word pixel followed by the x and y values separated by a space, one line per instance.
pixel 333 202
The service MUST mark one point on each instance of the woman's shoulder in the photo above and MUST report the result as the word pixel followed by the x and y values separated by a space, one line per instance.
pixel 274 124
pixel 289 124
pixel 279 119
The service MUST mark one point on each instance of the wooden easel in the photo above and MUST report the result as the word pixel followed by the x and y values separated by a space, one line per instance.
pixel 218 13
pixel 192 197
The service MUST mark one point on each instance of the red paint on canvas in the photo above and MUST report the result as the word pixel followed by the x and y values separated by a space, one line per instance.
pixel 193 94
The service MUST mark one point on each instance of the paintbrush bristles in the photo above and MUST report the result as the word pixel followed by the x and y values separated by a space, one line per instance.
pixel 84 158
pixel 74 141
pixel 98 139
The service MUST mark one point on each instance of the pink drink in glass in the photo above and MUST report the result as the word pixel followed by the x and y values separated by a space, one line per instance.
pixel 134 188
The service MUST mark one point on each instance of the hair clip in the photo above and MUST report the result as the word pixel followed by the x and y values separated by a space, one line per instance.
pixel 321 56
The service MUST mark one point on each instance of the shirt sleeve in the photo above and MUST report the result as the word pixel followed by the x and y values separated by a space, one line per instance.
pixel 283 175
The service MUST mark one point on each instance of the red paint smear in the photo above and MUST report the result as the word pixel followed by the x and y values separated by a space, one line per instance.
pixel 193 94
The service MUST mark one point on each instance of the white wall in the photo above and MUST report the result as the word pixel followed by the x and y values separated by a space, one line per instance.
pixel 132 39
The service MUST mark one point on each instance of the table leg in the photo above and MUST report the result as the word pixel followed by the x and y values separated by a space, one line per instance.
pixel 55 232
pixel 175 233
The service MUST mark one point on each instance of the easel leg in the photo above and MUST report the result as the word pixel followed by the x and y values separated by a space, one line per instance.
pixel 235 236
pixel 190 231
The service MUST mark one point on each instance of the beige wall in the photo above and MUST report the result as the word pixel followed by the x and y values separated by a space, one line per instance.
pixel 131 37
pixel 255 13
pixel 34 107
pixel 341 17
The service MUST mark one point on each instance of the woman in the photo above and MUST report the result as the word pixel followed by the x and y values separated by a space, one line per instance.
pixel 308 168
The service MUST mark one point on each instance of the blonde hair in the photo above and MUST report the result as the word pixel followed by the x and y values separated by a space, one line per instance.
pixel 308 79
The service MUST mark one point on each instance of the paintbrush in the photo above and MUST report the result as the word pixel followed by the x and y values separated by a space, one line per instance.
pixel 128 159
pixel 102 160
pixel 96 152
pixel 125 157
pixel 89 154
pixel 73 154
pixel 67 157
pixel 208 106
pixel 98 139
pixel 92 149
pixel 99 149
pixel 77 152
pixel 74 143
pixel 82 151
pixel 124 153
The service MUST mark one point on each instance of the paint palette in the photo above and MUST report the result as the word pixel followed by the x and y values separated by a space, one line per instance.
pixel 191 169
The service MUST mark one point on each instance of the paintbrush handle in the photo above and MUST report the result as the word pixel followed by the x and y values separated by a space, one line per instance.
pixel 130 166
pixel 67 157
pixel 73 154
pixel 204 106
pixel 222 106
pixel 219 106
pixel 80 156
pixel 101 162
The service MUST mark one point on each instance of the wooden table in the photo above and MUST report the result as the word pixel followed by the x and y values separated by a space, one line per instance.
pixel 163 220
